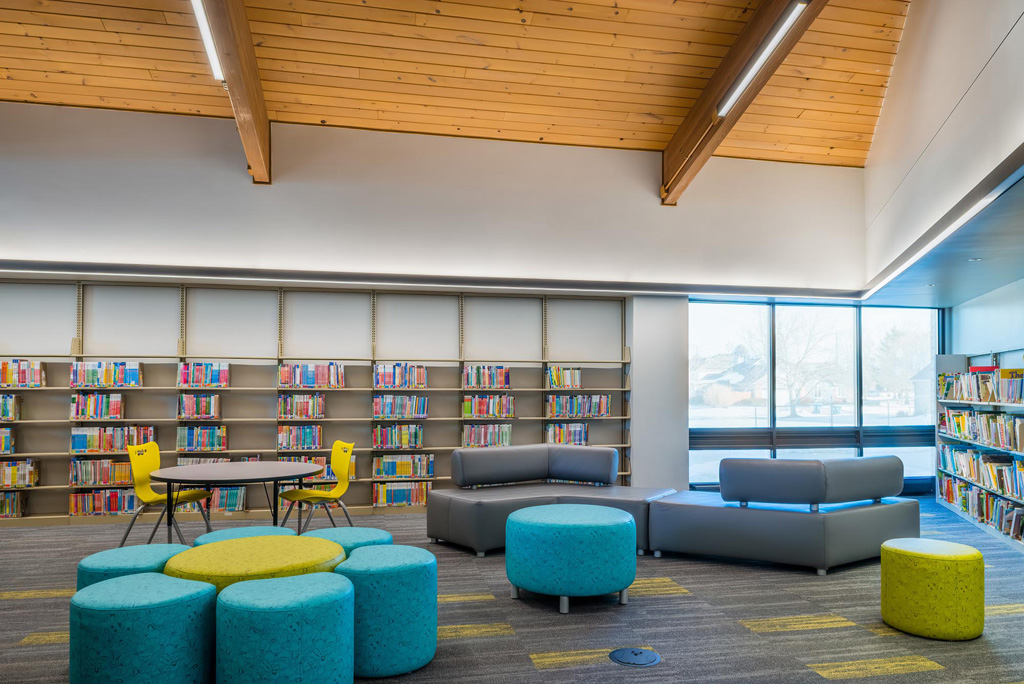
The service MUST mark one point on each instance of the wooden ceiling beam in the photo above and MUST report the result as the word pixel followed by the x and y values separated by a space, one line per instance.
pixel 229 26
pixel 703 130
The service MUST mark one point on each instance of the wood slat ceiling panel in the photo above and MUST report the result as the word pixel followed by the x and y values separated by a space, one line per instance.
pixel 609 73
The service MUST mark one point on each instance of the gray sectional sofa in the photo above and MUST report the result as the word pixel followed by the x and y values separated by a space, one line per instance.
pixel 812 513
pixel 476 517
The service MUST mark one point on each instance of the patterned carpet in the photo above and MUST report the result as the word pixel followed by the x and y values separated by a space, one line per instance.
pixel 712 621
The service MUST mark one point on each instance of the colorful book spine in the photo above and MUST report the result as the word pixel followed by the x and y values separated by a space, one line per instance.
pixel 22 373
pixel 10 407
pixel 994 429
pixel 487 377
pixel 578 406
pixel 90 440
pixel 394 466
pixel 311 375
pixel 208 374
pixel 562 377
pixel 17 474
pixel 987 508
pixel 983 384
pixel 299 437
pixel 106 374
pixel 198 407
pixel 11 505
pixel 488 435
pixel 201 460
pixel 489 406
pixel 224 500
pixel 302 406
pixel 103 502
pixel 398 437
pixel 566 433
pixel 6 441
pixel 399 376
pixel 322 461
pixel 202 438
pixel 97 406
pixel 84 473
pixel 391 406
pixel 400 493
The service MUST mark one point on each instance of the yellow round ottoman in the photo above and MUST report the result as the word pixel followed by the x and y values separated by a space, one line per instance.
pixel 933 588
pixel 235 560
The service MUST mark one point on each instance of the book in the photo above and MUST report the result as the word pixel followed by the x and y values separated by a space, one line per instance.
pixel 487 377
pixel 22 373
pixel 6 441
pixel 109 439
pixel 487 435
pixel 311 375
pixel 987 508
pixel 10 407
pixel 399 376
pixel 99 472
pixel 303 406
pixel 11 505
pixel 97 406
pixel 391 406
pixel 223 500
pixel 202 438
pixel 489 406
pixel 578 406
pixel 101 374
pixel 403 465
pixel 103 502
pixel 203 374
pixel 198 407
pixel 987 384
pixel 17 474
pixel 299 437
pixel 991 428
pixel 398 436
pixel 562 377
pixel 400 493
pixel 566 433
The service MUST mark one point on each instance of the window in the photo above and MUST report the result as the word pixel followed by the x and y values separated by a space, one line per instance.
pixel 815 366
pixel 704 463
pixel 816 454
pixel 917 461
pixel 899 347
pixel 729 366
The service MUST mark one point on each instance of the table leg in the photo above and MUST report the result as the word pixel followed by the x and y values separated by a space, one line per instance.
pixel 274 501
pixel 299 506
pixel 170 512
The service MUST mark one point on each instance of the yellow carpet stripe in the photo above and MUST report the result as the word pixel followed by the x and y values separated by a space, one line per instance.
pixel 875 667
pixel 656 586
pixel 36 594
pixel 796 623
pixel 45 638
pixel 1005 609
pixel 463 598
pixel 554 659
pixel 475 631
pixel 881 629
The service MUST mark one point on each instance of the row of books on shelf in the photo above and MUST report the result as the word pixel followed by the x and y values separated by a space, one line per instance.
pixel 561 377
pixel 999 430
pixel 489 406
pixel 22 373
pixel 328 375
pixel 993 470
pixel 389 406
pixel 6 441
pixel 124 501
pixel 325 463
pixel 983 384
pixel 202 438
pixel 398 436
pixel 97 406
pixel 987 508
pixel 85 473
pixel 403 465
pixel 10 407
pixel 12 505
pixel 400 493
pixel 579 406
pixel 19 474
pixel 105 439
pixel 487 377
pixel 204 374
pixel 106 374
pixel 493 434
pixel 304 406
pixel 399 375
pixel 299 437
pixel 199 407
pixel 566 433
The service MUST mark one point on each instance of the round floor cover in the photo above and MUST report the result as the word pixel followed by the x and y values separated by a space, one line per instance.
pixel 637 657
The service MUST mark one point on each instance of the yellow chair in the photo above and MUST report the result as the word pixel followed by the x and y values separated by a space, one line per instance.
pixel 145 459
pixel 341 455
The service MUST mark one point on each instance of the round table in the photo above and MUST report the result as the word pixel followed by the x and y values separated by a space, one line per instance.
pixel 210 475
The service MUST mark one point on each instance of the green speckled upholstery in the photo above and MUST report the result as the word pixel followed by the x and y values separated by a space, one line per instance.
pixel 127 560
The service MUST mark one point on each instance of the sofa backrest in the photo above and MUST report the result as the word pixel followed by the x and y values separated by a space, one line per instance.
pixel 498 465
pixel 810 482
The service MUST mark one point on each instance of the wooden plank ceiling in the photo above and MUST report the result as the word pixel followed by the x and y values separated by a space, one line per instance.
pixel 607 73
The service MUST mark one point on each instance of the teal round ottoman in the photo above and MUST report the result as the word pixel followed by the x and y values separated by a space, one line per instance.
pixel 126 560
pixel 143 628
pixel 286 629
pixel 351 538
pixel 570 550
pixel 395 609
pixel 242 533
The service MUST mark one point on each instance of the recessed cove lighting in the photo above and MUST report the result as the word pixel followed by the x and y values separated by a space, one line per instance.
pixel 975 259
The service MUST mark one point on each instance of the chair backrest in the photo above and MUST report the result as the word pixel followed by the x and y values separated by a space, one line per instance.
pixel 528 462
pixel 341 458
pixel 797 481
pixel 144 458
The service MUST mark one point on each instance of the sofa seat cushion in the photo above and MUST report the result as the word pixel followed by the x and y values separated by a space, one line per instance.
pixel 633 500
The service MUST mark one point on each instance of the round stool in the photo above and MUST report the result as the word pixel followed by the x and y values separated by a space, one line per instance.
pixel 224 563
pixel 570 550
pixel 933 588
pixel 351 538
pixel 286 629
pixel 242 533
pixel 126 560
pixel 395 608
pixel 143 627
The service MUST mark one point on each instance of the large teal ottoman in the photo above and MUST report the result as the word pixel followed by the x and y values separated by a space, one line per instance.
pixel 127 560
pixel 286 629
pixel 143 628
pixel 395 609
pixel 570 550
pixel 351 538
pixel 242 533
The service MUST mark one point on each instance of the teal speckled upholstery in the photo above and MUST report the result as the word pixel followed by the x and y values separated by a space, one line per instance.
pixel 286 629
pixel 396 608
pixel 143 628
pixel 351 538
pixel 127 560
pixel 570 549
pixel 243 532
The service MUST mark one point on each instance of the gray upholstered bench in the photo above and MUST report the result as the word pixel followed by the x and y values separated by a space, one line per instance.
pixel 802 512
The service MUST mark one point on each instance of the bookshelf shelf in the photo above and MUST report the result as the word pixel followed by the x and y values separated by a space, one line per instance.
pixel 988 529
pixel 994 404
pixel 981 486
pixel 33 488
pixel 981 445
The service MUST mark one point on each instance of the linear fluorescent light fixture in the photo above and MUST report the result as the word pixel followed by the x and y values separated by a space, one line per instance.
pixel 204 31
pixel 766 50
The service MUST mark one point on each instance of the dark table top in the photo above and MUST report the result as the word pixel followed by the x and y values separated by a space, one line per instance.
pixel 239 472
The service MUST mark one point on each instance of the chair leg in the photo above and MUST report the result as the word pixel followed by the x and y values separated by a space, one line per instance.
pixel 181 537
pixel 344 509
pixel 284 523
pixel 327 510
pixel 157 526
pixel 205 512
pixel 309 519
pixel 135 517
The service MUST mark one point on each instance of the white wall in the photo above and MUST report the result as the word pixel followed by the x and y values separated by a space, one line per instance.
pixel 92 185
pixel 657 332
pixel 993 322
pixel 954 110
